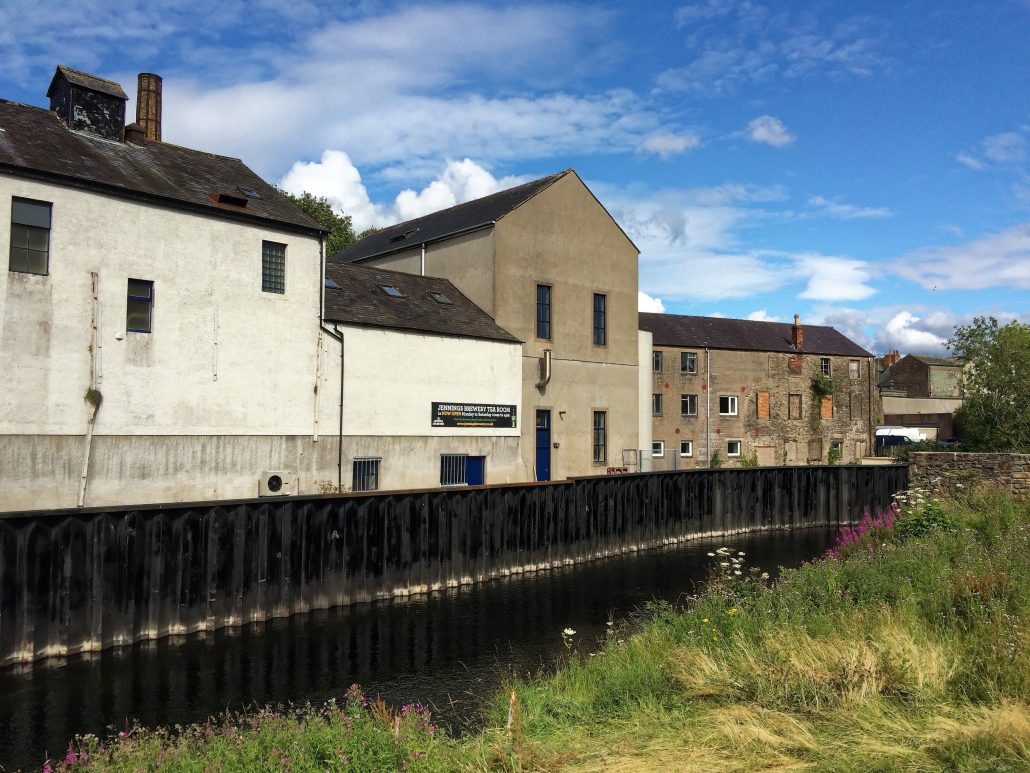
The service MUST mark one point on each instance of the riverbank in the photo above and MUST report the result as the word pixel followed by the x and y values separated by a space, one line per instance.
pixel 908 650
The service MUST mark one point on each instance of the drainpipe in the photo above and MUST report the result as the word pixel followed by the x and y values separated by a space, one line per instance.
pixel 422 261
pixel 708 404
pixel 547 371
pixel 93 397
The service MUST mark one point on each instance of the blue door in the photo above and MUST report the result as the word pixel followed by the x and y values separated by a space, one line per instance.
pixel 475 470
pixel 543 445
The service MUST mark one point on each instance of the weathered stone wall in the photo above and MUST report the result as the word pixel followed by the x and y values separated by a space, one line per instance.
pixel 947 471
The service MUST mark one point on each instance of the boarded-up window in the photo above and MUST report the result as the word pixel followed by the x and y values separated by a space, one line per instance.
pixel 826 407
pixel 794 407
pixel 763 405
pixel 815 450
pixel 795 364
pixel 854 407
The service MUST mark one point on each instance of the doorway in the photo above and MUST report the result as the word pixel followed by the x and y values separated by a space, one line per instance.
pixel 543 444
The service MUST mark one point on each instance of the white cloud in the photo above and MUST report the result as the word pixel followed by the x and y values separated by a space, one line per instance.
pixel 769 130
pixel 833 278
pixel 646 303
pixel 336 178
pixel 1006 147
pixel 761 315
pixel 905 333
pixel 967 160
pixel 998 260
pixel 834 208
pixel 667 144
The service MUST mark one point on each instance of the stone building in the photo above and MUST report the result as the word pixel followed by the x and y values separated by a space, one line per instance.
pixel 549 264
pixel 770 391
pixel 922 391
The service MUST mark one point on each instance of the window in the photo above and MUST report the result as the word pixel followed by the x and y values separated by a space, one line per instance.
pixel 656 404
pixel 365 473
pixel 454 469
pixel 658 448
pixel 600 319
pixel 600 439
pixel 686 448
pixel 824 366
pixel 543 312
pixel 853 368
pixel 30 236
pixel 139 306
pixel 732 448
pixel 688 362
pixel 762 405
pixel 727 405
pixel 273 267
pixel 688 405
pixel 656 362
pixel 794 407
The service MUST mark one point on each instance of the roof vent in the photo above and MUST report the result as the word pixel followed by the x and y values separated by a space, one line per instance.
pixel 228 198
pixel 405 235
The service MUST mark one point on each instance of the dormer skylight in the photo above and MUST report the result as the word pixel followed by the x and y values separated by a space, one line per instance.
pixel 392 291
pixel 440 298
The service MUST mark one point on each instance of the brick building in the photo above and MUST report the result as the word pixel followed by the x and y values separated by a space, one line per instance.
pixel 786 394
pixel 924 391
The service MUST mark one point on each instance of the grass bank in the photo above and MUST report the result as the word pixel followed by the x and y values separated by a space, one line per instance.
pixel 906 650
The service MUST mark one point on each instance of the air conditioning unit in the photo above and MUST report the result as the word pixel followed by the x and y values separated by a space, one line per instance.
pixel 277 483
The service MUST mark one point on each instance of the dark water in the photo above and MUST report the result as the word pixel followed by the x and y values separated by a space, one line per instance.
pixel 450 650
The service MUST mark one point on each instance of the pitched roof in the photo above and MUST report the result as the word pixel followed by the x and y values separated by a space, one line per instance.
pixel 361 300
pixel 91 82
pixel 34 142
pixel 951 362
pixel 744 334
pixel 462 218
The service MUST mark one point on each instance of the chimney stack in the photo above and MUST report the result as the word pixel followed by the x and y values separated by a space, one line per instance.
pixel 797 335
pixel 891 357
pixel 148 105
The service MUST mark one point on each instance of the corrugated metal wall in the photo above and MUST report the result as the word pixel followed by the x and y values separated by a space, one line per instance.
pixel 81 580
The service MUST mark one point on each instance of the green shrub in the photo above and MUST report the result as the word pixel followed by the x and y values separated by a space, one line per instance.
pixel 751 460
pixel 923 519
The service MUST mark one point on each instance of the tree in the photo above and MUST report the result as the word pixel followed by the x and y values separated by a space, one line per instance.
pixel 995 411
pixel 318 208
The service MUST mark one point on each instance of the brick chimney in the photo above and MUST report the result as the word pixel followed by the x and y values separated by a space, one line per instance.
pixel 148 105
pixel 890 358
pixel 797 335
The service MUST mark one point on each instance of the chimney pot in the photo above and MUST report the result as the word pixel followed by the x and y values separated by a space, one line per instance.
pixel 148 105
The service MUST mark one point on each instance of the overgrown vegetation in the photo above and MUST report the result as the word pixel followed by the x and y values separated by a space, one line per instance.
pixel 749 460
pixel 906 648
pixel 822 385
pixel 901 453
pixel 995 414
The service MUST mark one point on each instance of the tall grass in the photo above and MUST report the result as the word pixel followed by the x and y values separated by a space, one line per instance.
pixel 906 648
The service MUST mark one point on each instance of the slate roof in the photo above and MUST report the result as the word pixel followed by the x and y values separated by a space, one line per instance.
pixel 92 82
pixel 745 335
pixel 950 362
pixel 461 218
pixel 35 143
pixel 360 300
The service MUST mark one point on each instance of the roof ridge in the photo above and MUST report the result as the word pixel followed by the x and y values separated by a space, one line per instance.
pixel 89 75
pixel 395 272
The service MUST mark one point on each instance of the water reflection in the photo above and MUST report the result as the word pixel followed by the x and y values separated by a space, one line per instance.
pixel 450 649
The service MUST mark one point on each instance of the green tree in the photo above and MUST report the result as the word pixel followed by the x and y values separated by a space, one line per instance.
pixel 995 411
pixel 340 228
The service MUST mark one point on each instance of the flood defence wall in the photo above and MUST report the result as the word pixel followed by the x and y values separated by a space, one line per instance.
pixel 81 580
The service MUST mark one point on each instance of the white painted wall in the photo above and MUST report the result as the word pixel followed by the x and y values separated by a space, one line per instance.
pixel 224 357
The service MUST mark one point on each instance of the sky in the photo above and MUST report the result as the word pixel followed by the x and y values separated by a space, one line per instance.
pixel 863 165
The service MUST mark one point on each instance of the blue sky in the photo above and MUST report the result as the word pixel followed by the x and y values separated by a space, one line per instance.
pixel 862 164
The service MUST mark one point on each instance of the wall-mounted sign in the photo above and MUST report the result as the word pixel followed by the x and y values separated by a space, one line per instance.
pixel 474 415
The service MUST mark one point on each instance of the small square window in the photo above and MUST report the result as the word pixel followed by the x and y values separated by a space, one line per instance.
pixel 658 448
pixel 824 365
pixel 727 405
pixel 656 362
pixel 688 362
pixel 688 405
pixel 139 306
pixel 656 404
pixel 273 268
pixel 454 469
pixel 30 236
pixel 853 368
pixel 365 474
pixel 686 448
pixel 732 448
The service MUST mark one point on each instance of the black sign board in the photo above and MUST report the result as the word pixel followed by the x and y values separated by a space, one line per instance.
pixel 474 415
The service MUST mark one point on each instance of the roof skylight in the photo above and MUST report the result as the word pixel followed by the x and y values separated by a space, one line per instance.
pixel 440 298
pixel 392 291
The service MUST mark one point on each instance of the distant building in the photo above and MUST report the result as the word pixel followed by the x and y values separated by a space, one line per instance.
pixel 549 264
pixel 922 391
pixel 783 394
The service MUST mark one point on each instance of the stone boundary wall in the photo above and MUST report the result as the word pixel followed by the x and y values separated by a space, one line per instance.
pixel 944 471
